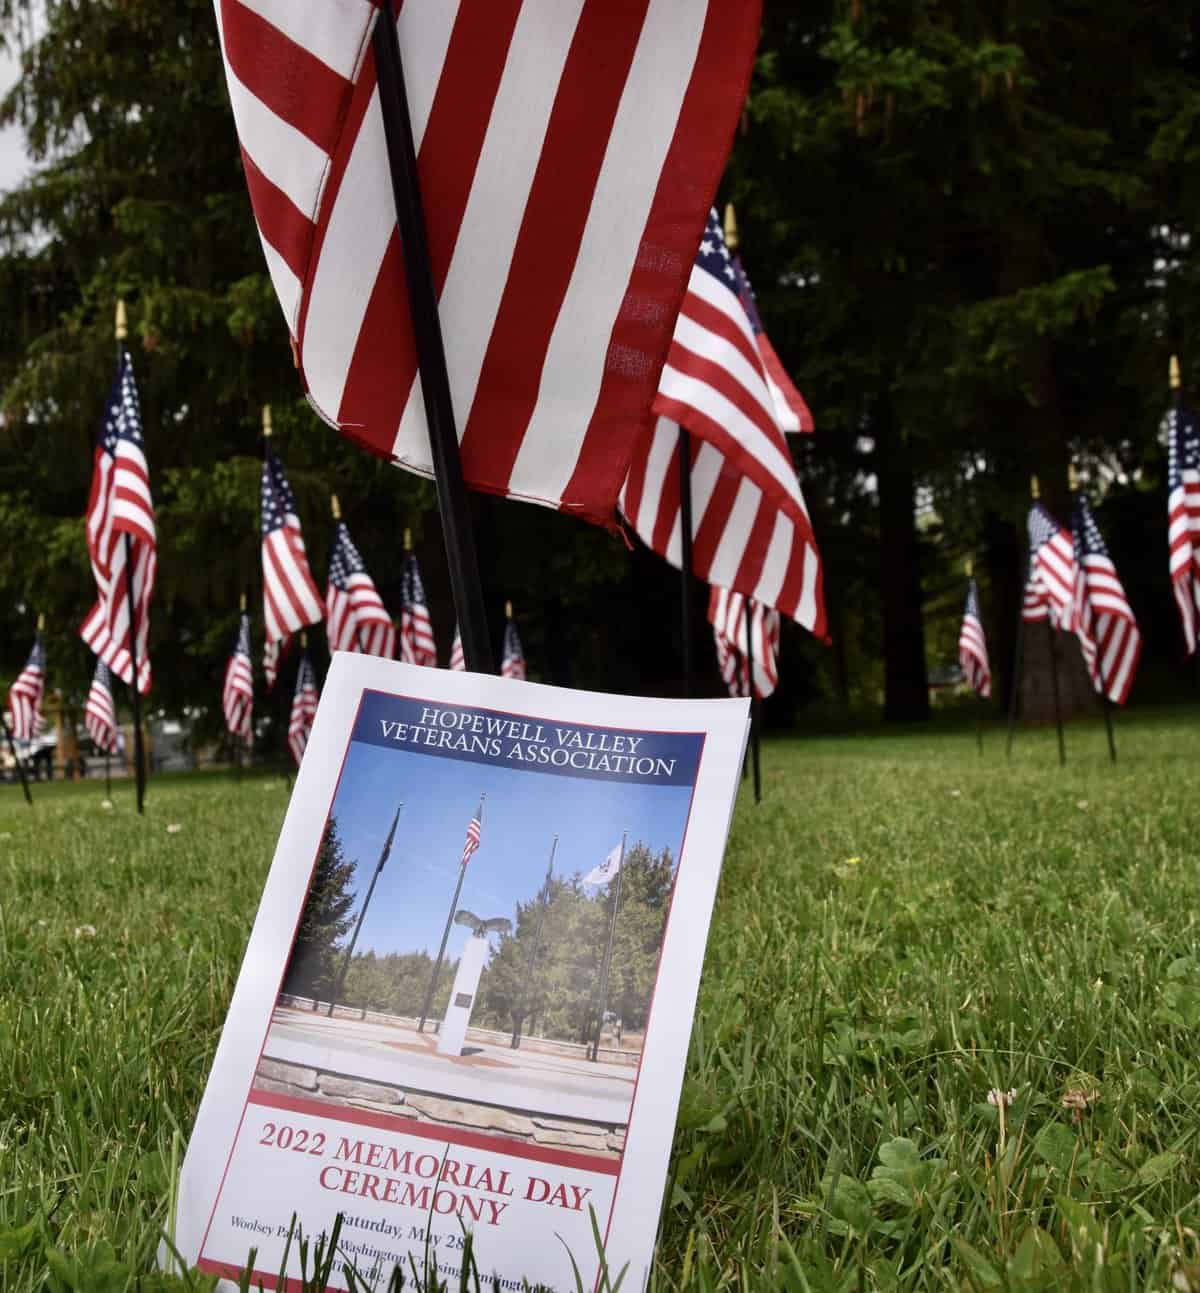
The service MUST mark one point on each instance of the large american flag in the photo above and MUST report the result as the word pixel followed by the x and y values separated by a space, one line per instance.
pixel 100 712
pixel 355 616
pixel 1052 569
pixel 751 530
pixel 474 831
pixel 25 695
pixel 304 708
pixel 727 615
pixel 416 628
pixel 512 661
pixel 237 697
pixel 290 597
pixel 1183 518
pixel 972 645
pixel 567 152
pixel 458 657
pixel 1101 615
pixel 120 505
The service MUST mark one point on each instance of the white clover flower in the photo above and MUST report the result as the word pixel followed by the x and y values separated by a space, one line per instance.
pixel 85 931
pixel 173 828
pixel 106 803
pixel 997 1097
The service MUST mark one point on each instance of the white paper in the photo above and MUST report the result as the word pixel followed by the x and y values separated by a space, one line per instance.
pixel 410 1135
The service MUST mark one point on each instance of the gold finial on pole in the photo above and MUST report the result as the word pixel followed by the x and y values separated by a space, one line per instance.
pixel 1035 490
pixel 970 568
pixel 41 622
pixel 407 539
pixel 266 421
pixel 732 238
pixel 1072 478
pixel 242 603
pixel 1173 373
pixel 122 327
pixel 508 610
pixel 303 640
pixel 335 507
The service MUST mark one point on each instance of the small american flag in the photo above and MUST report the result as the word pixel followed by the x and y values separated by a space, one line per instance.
pixel 727 615
pixel 1035 605
pixel 100 713
pixel 416 628
pixel 120 505
pixel 290 597
pixel 458 659
pixel 512 662
pixel 792 413
pixel 355 616
pixel 304 708
pixel 566 151
pixel 751 530
pixel 972 646
pixel 1052 565
pixel 474 829
pixel 237 698
pixel 1101 617
pixel 1183 518
pixel 25 695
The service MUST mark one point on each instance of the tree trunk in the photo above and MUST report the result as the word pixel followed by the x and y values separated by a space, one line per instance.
pixel 906 689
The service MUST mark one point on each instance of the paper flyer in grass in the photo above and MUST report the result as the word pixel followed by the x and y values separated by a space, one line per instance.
pixel 467 997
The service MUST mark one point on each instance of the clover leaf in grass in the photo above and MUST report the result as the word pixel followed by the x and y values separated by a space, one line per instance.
pixel 903 1177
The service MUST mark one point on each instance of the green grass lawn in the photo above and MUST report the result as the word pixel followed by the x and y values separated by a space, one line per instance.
pixel 902 927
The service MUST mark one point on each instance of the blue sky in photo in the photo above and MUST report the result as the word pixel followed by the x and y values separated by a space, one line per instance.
pixel 521 815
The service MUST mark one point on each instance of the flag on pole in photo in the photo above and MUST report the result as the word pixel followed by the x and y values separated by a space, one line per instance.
pixel 474 832
pixel 120 505
pixel 1101 617
pixel 290 597
pixel 100 713
pixel 355 616
pixel 565 154
pixel 1052 567
pixel 1183 518
pixel 751 528
pixel 304 708
pixel 1035 604
pixel 972 646
pixel 458 659
pixel 237 697
pixel 416 628
pixel 25 695
pixel 512 663
pixel 792 414
pixel 607 870
pixel 727 615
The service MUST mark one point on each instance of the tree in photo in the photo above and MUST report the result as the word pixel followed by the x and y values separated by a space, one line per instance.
pixel 324 921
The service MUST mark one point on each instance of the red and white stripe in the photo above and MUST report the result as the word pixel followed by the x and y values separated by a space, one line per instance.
pixel 25 697
pixel 474 832
pixel 237 695
pixel 792 414
pixel 458 657
pixel 1183 521
pixel 1055 570
pixel 416 636
pixel 1102 619
pixel 99 712
pixel 972 648
pixel 727 615
pixel 355 616
pixel 1035 605
pixel 290 597
pixel 304 709
pixel 756 540
pixel 568 151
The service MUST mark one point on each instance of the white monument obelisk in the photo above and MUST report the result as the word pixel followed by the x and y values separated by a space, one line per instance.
pixel 453 1030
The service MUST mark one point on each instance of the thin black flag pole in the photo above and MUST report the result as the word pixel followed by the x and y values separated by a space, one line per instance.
pixel 431 355
pixel 437 965
pixel 606 967
pixel 685 553
pixel 12 746
pixel 358 924
pixel 755 706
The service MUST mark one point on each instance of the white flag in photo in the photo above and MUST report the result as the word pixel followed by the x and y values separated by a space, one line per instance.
pixel 603 873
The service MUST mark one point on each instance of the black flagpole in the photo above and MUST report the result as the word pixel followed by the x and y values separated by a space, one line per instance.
pixel 437 965
pixel 358 924
pixel 531 968
pixel 685 553
pixel 755 707
pixel 606 966
pixel 431 356
pixel 12 745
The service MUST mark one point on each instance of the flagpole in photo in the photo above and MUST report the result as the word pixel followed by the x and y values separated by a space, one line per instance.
pixel 1105 703
pixel 531 967
pixel 474 830
pixel 139 758
pixel 606 966
pixel 459 537
pixel 1035 493
pixel 755 704
pixel 1175 379
pixel 981 704
pixel 385 852
pixel 12 747
pixel 686 576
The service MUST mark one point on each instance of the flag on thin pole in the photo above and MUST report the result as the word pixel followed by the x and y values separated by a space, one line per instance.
pixel 458 659
pixel 237 697
pixel 727 615
pixel 972 646
pixel 752 532
pixel 607 870
pixel 566 153
pixel 100 713
pixel 416 628
pixel 512 662
pixel 355 616
pixel 1053 569
pixel 1183 516
pixel 1101 616
pixel 304 709
pixel 290 597
pixel 474 834
pixel 25 694
pixel 120 504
